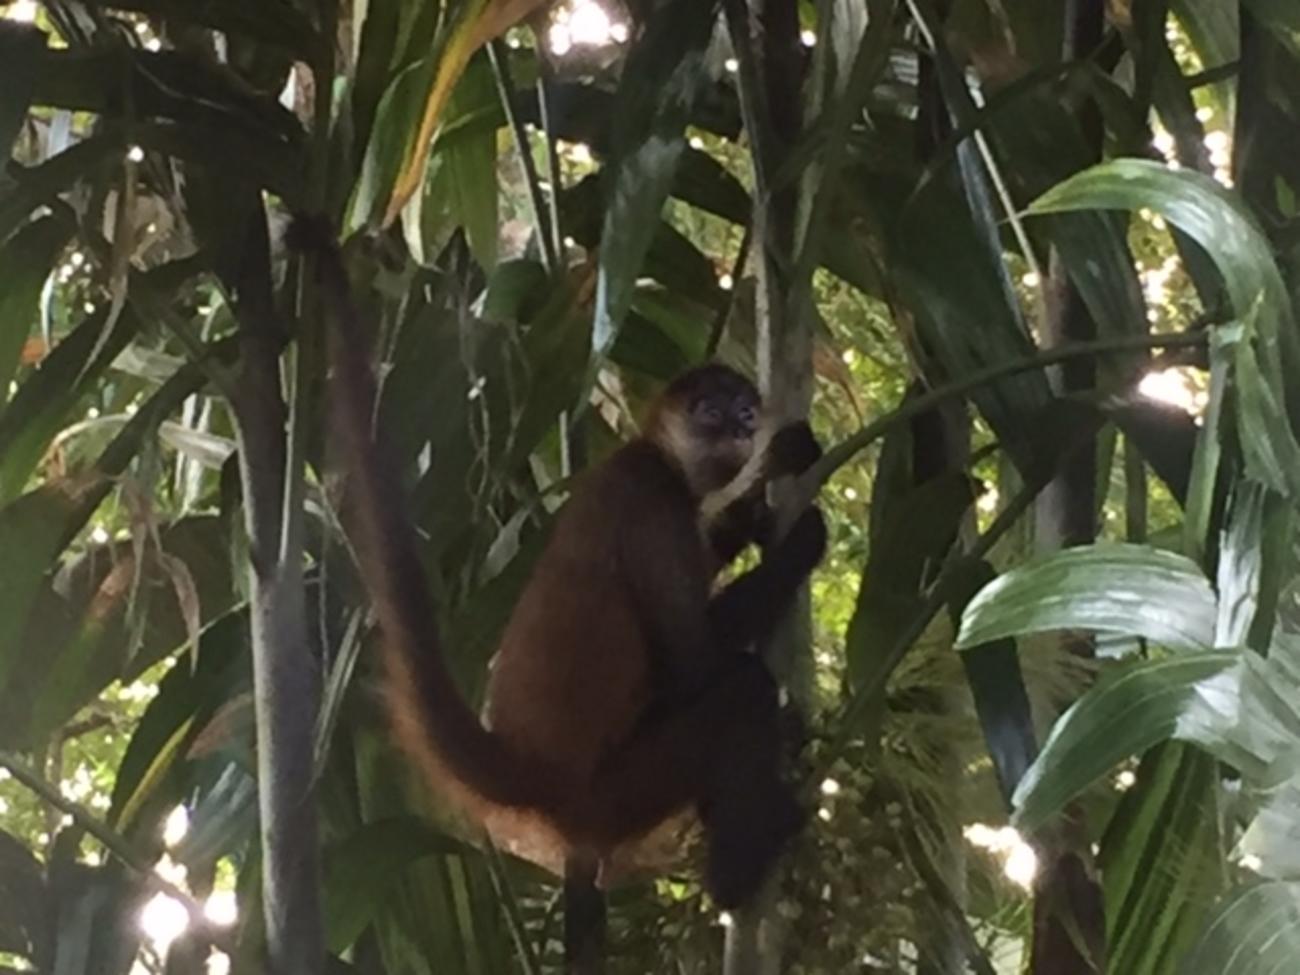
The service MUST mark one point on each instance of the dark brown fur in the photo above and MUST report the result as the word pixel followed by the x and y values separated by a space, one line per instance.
pixel 622 694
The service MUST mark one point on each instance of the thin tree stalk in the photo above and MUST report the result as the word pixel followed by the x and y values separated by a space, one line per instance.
pixel 544 114
pixel 737 271
pixel 285 675
pixel 765 36
pixel 500 57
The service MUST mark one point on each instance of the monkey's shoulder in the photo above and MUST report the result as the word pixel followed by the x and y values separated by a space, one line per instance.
pixel 635 476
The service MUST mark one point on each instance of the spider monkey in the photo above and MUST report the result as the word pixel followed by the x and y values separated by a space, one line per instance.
pixel 622 694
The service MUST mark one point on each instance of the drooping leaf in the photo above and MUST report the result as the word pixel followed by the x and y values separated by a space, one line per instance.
pixel 1255 931
pixel 26 260
pixel 475 23
pixel 41 406
pixel 470 162
pixel 1107 588
pixel 1222 227
pixel 186 699
pixel 87 629
pixel 1129 711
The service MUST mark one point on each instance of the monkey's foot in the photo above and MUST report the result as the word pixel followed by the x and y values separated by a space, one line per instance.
pixel 743 846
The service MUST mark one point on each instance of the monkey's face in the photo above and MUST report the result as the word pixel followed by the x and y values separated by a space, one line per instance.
pixel 721 425
pixel 708 420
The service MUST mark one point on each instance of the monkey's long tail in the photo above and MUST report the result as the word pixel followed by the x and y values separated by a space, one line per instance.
pixel 432 719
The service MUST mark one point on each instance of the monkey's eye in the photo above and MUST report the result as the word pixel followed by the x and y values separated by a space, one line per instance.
pixel 709 413
pixel 747 415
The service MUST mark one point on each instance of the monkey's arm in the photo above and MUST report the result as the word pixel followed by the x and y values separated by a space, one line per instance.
pixel 791 451
pixel 752 605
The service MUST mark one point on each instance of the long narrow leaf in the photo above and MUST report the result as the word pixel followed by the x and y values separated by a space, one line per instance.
pixel 663 79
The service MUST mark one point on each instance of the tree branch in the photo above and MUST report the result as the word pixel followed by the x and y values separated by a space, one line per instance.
pixel 811 482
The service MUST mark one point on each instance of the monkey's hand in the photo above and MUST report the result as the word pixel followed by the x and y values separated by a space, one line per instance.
pixel 805 542
pixel 793 450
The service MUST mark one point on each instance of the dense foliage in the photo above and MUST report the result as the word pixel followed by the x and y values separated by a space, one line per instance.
pixel 1041 258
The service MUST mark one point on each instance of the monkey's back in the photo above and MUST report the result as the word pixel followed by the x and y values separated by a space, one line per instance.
pixel 573 675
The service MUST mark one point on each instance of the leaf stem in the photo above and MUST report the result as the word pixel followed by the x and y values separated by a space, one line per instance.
pixel 839 455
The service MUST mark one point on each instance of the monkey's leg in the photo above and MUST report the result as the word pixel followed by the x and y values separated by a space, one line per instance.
pixel 584 918
pixel 721 751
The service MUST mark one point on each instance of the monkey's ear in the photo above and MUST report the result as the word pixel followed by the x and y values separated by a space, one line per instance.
pixel 792 450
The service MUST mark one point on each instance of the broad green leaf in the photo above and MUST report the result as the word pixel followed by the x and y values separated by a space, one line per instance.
pixel 1271 452
pixel 389 142
pixel 1220 224
pixel 965 311
pixel 1169 817
pixel 1282 17
pixel 1204 210
pixel 704 182
pixel 1270 838
pixel 474 23
pixel 440 914
pixel 26 260
pixel 1042 144
pixel 1255 931
pixel 469 161
pixel 1240 558
pixel 665 74
pixel 1127 712
pixel 997 686
pixel 186 699
pixel 1124 589
pixel 35 525
pixel 375 55
pixel 363 869
pixel 922 526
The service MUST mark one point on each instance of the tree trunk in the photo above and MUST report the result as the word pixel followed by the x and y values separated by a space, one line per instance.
pixel 1069 920
pixel 285 678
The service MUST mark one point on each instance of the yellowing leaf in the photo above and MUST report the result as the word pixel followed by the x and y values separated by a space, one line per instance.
pixel 480 23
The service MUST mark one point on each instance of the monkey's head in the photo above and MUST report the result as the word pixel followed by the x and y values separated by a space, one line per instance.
pixel 707 420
